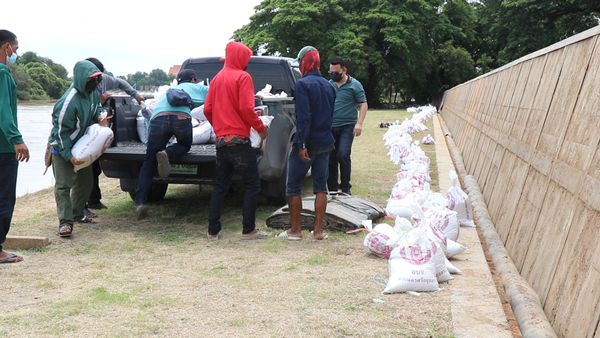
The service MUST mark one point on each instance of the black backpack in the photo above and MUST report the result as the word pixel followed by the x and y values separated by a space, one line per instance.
pixel 179 98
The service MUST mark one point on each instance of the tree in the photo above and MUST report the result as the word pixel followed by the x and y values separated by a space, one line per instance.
pixel 391 44
pixel 513 28
pixel 27 88
pixel 45 77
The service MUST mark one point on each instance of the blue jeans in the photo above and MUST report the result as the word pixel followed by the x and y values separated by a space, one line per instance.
pixel 344 136
pixel 8 191
pixel 242 160
pixel 297 170
pixel 162 128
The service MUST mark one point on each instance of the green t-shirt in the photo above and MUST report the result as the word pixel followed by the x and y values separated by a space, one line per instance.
pixel 348 96
pixel 9 131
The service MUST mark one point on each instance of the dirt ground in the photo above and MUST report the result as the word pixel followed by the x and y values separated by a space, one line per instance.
pixel 161 277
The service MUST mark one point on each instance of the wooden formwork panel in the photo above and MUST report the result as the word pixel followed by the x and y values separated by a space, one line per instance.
pixel 539 109
pixel 487 102
pixel 526 217
pixel 529 94
pixel 577 58
pixel 482 156
pixel 583 132
pixel 591 186
pixel 548 239
pixel 491 172
pixel 516 97
pixel 472 150
pixel 514 191
pixel 501 114
pixel 498 181
pixel 574 267
pixel 496 96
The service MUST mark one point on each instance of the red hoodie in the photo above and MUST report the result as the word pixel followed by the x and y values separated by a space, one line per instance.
pixel 229 106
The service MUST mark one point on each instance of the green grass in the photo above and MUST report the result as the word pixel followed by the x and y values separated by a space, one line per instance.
pixel 161 277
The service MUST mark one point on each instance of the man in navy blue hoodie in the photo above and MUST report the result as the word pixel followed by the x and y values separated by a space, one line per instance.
pixel 313 141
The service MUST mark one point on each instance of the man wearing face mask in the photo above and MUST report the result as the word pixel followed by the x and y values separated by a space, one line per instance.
pixel 74 112
pixel 350 98
pixel 107 84
pixel 12 148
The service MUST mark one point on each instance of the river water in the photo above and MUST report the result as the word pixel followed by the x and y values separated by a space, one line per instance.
pixel 35 123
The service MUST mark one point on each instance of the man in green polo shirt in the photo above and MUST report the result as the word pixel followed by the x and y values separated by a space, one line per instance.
pixel 12 148
pixel 348 117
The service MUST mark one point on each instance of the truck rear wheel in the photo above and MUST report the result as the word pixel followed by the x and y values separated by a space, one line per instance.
pixel 157 190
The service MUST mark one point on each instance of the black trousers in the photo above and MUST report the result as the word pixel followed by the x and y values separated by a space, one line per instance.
pixel 96 194
pixel 8 189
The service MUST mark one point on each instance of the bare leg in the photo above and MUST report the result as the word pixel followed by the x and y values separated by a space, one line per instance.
pixel 295 203
pixel 320 207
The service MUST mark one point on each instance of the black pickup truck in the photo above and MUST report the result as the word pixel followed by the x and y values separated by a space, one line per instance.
pixel 125 156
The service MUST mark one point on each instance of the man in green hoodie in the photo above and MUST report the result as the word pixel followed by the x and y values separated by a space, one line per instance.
pixel 74 112
pixel 12 148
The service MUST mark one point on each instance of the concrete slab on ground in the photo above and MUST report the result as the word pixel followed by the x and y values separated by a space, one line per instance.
pixel 25 242
pixel 475 304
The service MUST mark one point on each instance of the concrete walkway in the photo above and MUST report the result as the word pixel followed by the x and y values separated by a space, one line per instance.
pixel 476 306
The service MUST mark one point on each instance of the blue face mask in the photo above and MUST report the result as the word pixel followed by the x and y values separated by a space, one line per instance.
pixel 13 58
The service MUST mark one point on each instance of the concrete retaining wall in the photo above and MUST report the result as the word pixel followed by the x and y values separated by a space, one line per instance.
pixel 529 133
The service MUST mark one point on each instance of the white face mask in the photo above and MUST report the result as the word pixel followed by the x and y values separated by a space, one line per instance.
pixel 12 58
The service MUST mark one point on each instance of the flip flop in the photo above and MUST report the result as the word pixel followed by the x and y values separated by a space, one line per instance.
pixel 323 236
pixel 13 258
pixel 284 235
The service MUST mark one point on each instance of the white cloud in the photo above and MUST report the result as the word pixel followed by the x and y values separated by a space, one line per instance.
pixel 127 36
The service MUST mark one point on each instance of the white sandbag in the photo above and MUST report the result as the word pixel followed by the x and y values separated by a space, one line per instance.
pixel 441 271
pixel 142 128
pixel 195 123
pixel 452 268
pixel 91 145
pixel 377 243
pixel 445 220
pixel 459 201
pixel 411 265
pixel 454 248
pixel 428 139
pixel 198 113
pixel 202 133
pixel 255 140
pixel 402 226
pixel 386 229
pixel 399 208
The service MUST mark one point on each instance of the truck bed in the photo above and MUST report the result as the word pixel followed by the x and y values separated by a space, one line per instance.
pixel 136 151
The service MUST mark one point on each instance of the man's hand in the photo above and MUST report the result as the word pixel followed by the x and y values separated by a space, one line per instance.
pixel 303 153
pixel 104 97
pixel 104 121
pixel 22 152
pixel 75 161
pixel 264 133
pixel 357 129
pixel 139 98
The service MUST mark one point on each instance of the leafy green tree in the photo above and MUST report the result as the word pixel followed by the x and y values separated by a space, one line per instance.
pixel 510 29
pixel 392 45
pixel 27 88
pixel 45 77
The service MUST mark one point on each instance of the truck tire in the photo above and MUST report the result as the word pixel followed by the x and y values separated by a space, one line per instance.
pixel 157 192
pixel 275 190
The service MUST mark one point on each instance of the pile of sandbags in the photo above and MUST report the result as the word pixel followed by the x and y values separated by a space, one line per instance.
pixel 427 224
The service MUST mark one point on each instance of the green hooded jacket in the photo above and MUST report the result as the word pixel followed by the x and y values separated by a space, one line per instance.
pixel 9 131
pixel 75 111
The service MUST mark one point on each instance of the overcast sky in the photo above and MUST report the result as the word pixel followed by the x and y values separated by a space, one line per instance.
pixel 127 36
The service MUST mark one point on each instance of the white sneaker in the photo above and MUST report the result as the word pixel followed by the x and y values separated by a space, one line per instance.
pixel 164 167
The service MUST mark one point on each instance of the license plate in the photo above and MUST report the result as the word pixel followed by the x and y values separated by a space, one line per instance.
pixel 186 169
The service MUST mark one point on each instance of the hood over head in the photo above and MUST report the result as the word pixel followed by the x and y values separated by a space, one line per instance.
pixel 81 72
pixel 310 61
pixel 237 55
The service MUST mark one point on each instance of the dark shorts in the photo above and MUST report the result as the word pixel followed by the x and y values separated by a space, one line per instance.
pixel 297 170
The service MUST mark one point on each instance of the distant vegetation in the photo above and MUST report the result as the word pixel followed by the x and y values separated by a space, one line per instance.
pixel 40 78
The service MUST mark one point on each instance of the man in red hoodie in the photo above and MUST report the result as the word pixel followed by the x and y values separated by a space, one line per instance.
pixel 229 108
